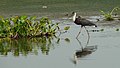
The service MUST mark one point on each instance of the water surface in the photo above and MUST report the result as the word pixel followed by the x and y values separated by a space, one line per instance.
pixel 59 52
pixel 55 7
pixel 37 53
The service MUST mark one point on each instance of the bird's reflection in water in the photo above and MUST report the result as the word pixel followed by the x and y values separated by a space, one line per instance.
pixel 87 50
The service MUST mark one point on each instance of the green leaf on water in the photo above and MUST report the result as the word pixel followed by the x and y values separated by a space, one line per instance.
pixel 66 28
pixel 117 29
pixel 102 30
pixel 67 39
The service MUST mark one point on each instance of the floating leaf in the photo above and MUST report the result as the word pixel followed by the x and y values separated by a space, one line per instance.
pixel 117 29
pixel 67 39
pixel 102 30
pixel 66 28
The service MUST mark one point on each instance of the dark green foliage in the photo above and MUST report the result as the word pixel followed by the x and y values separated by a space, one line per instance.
pixel 117 29
pixel 67 39
pixel 17 35
pixel 102 30
pixel 24 26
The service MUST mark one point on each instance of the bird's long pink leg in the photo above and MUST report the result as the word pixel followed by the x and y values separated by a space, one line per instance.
pixel 88 36
pixel 79 32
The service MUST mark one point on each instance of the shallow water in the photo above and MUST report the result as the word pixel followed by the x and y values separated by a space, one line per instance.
pixel 61 54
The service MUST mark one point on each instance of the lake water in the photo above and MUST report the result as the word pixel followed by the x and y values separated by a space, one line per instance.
pixel 40 52
pixel 59 52
pixel 56 7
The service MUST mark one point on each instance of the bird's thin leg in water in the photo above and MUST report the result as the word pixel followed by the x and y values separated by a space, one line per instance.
pixel 88 36
pixel 74 55
pixel 80 43
pixel 79 32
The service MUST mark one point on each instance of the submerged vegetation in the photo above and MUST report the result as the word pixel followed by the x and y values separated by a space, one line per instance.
pixel 24 26
pixel 109 15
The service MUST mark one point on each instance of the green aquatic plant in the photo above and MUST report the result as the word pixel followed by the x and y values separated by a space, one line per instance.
pixel 24 26
pixel 109 15
pixel 67 28
pixel 67 40
pixel 117 29
pixel 101 29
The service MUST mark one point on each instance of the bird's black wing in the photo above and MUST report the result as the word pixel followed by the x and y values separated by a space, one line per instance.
pixel 85 22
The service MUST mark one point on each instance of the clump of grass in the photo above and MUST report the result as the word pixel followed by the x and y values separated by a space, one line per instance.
pixel 109 15
pixel 24 26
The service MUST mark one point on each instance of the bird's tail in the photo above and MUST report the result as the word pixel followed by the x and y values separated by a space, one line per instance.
pixel 95 25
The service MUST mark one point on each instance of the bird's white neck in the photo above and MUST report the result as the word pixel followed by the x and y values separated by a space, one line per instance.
pixel 74 16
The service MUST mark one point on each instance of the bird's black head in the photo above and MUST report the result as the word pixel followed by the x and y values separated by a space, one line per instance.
pixel 73 12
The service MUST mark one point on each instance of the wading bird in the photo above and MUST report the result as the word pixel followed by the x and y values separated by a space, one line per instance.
pixel 83 22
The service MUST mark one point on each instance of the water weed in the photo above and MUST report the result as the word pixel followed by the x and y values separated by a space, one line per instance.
pixel 117 29
pixel 24 26
pixel 109 15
